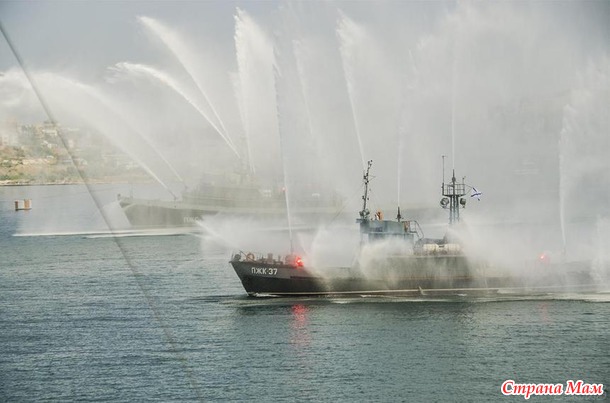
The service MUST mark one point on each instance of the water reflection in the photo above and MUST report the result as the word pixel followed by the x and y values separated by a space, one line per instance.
pixel 543 311
pixel 300 337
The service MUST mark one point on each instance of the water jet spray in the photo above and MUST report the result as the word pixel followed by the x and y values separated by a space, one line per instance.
pixel 183 54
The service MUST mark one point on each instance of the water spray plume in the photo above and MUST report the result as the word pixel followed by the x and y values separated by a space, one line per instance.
pixel 255 90
pixel 454 78
pixel 158 75
pixel 404 119
pixel 284 154
pixel 184 55
pixel 110 105
pixel 244 118
pixel 584 182
pixel 296 46
pixel 348 32
pixel 97 118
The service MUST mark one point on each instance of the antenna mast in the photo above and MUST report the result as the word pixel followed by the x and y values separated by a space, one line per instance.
pixel 443 157
pixel 365 213
pixel 453 193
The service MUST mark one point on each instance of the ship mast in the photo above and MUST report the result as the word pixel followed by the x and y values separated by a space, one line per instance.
pixel 452 199
pixel 365 213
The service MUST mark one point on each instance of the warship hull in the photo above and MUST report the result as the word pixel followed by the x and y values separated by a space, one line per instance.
pixel 160 214
pixel 143 213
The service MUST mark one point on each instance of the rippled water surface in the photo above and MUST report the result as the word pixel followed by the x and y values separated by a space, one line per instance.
pixel 164 318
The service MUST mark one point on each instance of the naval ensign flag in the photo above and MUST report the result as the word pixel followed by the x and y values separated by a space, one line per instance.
pixel 476 193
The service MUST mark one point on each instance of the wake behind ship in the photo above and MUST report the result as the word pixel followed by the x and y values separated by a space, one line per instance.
pixel 396 259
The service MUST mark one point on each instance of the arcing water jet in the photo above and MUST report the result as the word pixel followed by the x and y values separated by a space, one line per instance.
pixel 184 55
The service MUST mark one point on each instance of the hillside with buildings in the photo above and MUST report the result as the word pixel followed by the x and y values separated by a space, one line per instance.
pixel 47 153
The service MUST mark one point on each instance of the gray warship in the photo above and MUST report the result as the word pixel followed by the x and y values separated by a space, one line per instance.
pixel 238 196
pixel 422 267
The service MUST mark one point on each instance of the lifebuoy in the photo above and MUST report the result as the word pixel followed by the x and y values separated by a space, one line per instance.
pixel 250 256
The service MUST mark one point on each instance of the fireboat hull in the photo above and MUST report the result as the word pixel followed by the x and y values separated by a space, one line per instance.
pixel 409 264
pixel 407 276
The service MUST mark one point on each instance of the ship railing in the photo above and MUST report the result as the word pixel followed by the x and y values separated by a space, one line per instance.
pixel 268 258
pixel 457 189
pixel 415 228
pixel 432 247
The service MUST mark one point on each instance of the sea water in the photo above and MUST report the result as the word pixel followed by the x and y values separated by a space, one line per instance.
pixel 164 318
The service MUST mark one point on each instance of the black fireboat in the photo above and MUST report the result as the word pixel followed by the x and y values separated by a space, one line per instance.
pixel 423 267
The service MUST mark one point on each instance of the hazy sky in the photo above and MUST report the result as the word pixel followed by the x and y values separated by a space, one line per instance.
pixel 64 34
pixel 504 52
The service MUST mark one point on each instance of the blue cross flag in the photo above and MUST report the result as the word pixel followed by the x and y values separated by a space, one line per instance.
pixel 476 193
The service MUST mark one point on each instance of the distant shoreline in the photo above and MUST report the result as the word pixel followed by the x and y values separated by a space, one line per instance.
pixel 92 182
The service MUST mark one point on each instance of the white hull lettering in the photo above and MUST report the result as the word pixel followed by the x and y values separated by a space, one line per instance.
pixel 265 271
